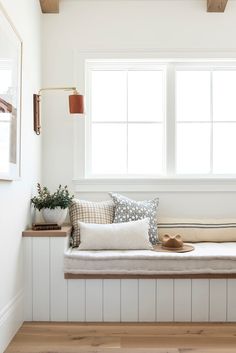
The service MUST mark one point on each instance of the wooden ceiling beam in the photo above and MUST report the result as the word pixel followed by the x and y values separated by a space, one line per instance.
pixel 216 5
pixel 49 6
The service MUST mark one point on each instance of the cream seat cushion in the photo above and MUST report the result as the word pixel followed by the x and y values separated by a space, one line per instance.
pixel 199 230
pixel 206 258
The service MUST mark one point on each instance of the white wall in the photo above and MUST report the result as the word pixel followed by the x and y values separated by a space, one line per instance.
pixel 14 196
pixel 163 28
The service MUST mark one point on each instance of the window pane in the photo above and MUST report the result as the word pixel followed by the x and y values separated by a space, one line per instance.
pixel 109 145
pixel 145 94
pixel 193 148
pixel 224 95
pixel 109 96
pixel 224 148
pixel 145 148
pixel 193 95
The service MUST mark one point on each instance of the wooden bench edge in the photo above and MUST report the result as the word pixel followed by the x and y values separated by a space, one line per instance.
pixel 151 276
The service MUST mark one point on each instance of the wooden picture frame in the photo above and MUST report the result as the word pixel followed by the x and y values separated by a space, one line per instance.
pixel 10 99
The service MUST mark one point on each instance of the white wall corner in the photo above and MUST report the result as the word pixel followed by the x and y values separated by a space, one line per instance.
pixel 11 319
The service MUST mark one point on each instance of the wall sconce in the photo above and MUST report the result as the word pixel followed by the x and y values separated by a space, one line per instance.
pixel 76 104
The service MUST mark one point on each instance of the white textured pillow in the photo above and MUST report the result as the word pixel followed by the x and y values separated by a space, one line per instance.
pixel 115 236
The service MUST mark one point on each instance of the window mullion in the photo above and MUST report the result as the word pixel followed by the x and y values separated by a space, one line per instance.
pixel 170 125
pixel 88 127
pixel 211 117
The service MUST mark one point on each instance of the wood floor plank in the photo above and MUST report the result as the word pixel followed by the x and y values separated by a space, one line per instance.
pixel 99 350
pixel 177 342
pixel 124 338
pixel 129 329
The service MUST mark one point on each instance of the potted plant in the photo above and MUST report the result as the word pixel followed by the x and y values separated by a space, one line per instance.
pixel 54 206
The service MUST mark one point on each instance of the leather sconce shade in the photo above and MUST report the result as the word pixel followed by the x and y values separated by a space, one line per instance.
pixel 76 104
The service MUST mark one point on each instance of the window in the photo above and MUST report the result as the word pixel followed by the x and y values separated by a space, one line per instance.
pixel 151 119
pixel 127 120
pixel 206 121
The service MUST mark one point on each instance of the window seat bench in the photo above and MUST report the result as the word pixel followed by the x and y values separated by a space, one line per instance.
pixel 196 286
pixel 207 260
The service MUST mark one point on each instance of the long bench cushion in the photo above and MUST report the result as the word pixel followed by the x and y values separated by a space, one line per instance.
pixel 207 258
pixel 199 230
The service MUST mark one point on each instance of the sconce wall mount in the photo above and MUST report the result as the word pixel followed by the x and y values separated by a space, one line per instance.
pixel 76 104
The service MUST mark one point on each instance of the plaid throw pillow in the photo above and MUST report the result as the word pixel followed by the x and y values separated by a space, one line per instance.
pixel 127 210
pixel 89 212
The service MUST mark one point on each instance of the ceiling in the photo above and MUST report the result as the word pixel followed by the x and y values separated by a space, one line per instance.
pixel 53 6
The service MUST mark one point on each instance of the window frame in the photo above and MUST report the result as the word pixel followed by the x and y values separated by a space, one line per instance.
pixel 83 183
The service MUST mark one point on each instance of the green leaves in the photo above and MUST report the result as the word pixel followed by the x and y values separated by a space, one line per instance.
pixel 60 198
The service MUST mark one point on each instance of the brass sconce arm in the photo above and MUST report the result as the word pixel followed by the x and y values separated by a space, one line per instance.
pixel 76 104
pixel 74 89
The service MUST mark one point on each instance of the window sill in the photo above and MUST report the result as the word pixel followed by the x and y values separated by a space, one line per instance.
pixel 149 185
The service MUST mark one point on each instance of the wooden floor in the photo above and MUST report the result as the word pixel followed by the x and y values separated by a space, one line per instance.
pixel 124 338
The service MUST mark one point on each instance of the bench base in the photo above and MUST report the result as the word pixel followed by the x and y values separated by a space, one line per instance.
pixel 49 296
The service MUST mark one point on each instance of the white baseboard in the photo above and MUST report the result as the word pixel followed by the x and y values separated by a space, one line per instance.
pixel 11 319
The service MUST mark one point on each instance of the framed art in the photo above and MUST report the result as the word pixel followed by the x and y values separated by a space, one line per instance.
pixel 10 99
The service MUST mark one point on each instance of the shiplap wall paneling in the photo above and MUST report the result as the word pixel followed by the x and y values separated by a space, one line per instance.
pixel 129 300
pixel 111 300
pixel 147 300
pixel 165 300
pixel 41 279
pixel 28 279
pixel 200 300
pixel 218 298
pixel 182 300
pixel 94 300
pixel 76 300
pixel 231 300
pixel 58 289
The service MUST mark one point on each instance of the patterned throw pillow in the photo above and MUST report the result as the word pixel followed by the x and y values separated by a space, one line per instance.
pixel 129 210
pixel 89 212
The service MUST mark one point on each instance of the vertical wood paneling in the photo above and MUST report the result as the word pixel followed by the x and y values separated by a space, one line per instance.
pixel 94 300
pixel 76 300
pixel 182 300
pixel 111 300
pixel 165 300
pixel 231 300
pixel 129 300
pixel 200 300
pixel 41 280
pixel 58 289
pixel 28 279
pixel 147 300
pixel 218 300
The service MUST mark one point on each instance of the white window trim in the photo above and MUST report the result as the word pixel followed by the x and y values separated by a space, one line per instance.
pixel 149 185
pixel 220 183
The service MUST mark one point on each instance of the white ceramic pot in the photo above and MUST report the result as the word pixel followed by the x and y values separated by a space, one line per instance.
pixel 57 215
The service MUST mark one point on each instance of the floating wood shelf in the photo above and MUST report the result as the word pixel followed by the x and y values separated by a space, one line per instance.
pixel 63 232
